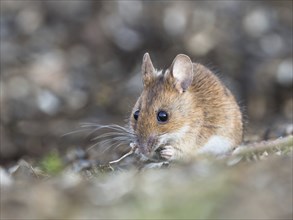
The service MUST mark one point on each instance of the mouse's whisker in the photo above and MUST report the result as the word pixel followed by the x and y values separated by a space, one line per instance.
pixel 108 147
pixel 100 143
pixel 119 145
pixel 87 127
pixel 105 135
pixel 107 141
pixel 111 146
pixel 76 131
pixel 111 134
pixel 117 136
pixel 117 133
pixel 114 139
pixel 123 138
pixel 92 146
pixel 111 126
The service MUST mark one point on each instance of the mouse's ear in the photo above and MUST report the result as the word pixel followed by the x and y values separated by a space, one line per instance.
pixel 182 71
pixel 147 69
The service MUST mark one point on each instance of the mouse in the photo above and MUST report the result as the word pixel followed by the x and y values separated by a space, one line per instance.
pixel 182 112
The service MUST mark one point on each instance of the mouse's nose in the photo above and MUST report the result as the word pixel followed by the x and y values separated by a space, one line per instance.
pixel 147 145
pixel 151 141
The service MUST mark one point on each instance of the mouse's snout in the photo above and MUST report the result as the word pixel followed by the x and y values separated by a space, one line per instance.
pixel 150 143
pixel 146 145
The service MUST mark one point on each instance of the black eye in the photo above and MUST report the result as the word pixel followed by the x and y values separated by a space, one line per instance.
pixel 135 114
pixel 162 116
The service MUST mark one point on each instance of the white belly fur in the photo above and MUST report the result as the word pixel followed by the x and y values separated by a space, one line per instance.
pixel 216 145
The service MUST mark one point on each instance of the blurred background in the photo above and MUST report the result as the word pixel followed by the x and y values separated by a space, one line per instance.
pixel 67 62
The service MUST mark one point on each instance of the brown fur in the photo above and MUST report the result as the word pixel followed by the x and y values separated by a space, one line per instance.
pixel 207 107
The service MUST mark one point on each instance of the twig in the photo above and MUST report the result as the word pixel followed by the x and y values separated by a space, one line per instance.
pixel 256 151
pixel 125 155
pixel 121 158
pixel 266 145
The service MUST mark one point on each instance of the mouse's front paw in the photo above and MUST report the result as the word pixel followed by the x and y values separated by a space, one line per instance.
pixel 167 152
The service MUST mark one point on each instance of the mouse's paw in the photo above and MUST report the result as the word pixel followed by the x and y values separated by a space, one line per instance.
pixel 167 152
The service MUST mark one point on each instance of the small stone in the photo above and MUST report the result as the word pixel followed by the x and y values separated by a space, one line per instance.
pixel 5 178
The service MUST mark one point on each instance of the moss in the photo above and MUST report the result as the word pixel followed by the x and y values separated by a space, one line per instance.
pixel 52 163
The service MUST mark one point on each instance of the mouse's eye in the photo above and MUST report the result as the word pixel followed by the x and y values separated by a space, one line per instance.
pixel 162 116
pixel 135 114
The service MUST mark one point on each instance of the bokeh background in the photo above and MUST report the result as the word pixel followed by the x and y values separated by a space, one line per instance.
pixel 67 62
